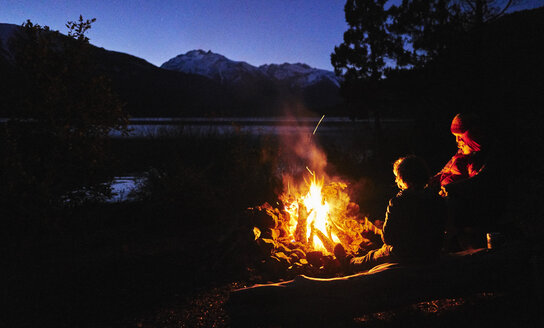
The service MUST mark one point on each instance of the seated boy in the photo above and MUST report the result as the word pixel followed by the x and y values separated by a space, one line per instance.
pixel 414 222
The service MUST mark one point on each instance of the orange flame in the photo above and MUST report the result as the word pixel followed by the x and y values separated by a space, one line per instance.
pixel 321 215
pixel 316 214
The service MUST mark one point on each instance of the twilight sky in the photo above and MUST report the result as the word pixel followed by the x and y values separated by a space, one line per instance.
pixel 256 31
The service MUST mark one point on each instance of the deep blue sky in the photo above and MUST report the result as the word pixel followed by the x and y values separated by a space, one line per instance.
pixel 256 31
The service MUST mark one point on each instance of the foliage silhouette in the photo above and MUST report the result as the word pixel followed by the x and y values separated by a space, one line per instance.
pixel 361 58
pixel 54 144
pixel 382 41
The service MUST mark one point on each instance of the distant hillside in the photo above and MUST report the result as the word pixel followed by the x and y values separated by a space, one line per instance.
pixel 152 91
pixel 273 84
pixel 148 90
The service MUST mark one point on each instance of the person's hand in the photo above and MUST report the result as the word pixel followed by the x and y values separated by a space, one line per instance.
pixel 443 192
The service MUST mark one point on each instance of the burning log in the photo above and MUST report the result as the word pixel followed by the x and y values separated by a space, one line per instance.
pixel 299 253
pixel 345 239
pixel 331 264
pixel 301 230
pixel 266 246
pixel 315 258
pixel 283 257
pixel 329 245
pixel 312 233
pixel 369 226
pixel 312 219
pixel 261 217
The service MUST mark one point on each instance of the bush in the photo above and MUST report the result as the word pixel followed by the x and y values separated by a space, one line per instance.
pixel 54 143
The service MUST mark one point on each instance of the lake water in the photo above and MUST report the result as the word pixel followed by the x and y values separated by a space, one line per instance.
pixel 250 126
pixel 123 186
pixel 343 129
pixel 165 127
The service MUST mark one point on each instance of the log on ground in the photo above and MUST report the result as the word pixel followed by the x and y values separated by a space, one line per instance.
pixel 384 287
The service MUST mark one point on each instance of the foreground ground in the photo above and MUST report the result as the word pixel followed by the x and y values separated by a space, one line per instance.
pixel 171 258
pixel 132 274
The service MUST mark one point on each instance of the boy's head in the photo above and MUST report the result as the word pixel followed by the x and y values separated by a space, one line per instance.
pixel 411 172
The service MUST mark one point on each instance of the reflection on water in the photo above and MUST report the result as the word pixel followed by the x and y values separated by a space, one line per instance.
pixel 122 187
pixel 165 127
pixel 344 131
pixel 250 126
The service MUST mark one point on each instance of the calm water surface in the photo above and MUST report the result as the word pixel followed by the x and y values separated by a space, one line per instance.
pixel 164 127
pixel 342 129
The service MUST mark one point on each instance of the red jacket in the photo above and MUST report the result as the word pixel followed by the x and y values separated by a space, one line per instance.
pixel 460 167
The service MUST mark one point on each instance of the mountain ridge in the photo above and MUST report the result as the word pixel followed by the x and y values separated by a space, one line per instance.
pixel 225 70
pixel 151 91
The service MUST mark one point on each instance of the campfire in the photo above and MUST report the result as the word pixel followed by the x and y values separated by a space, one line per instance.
pixel 313 213
pixel 310 219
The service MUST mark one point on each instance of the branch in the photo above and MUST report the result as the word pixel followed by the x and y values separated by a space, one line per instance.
pixel 470 4
pixel 502 11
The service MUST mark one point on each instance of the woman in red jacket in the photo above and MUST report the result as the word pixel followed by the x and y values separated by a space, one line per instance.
pixel 469 160
pixel 471 182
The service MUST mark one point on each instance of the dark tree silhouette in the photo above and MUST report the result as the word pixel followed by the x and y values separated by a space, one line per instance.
pixel 362 54
pixel 54 144
pixel 427 28
pixel 478 12
pixel 361 58
pixel 430 27
pixel 381 40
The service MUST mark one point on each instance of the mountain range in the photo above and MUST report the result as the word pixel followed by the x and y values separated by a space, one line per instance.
pixel 226 71
pixel 198 83
pixel 507 71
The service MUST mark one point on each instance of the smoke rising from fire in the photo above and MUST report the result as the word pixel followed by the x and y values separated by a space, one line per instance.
pixel 300 156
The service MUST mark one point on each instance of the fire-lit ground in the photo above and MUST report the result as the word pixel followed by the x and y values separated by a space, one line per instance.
pixel 476 310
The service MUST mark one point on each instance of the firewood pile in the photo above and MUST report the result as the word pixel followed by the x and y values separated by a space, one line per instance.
pixel 283 257
pixel 306 301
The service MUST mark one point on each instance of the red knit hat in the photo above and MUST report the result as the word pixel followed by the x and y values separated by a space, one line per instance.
pixel 458 124
pixel 467 126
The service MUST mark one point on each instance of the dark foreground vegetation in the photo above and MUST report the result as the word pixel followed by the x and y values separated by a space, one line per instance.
pixel 170 258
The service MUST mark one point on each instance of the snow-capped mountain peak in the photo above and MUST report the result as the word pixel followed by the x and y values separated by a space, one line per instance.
pixel 220 68
pixel 299 74
pixel 212 65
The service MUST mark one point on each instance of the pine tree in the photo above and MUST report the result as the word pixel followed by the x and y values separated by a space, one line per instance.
pixel 361 58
